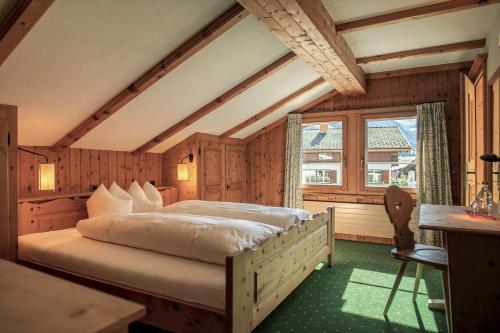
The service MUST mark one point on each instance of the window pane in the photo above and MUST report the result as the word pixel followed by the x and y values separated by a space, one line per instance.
pixel 390 152
pixel 322 154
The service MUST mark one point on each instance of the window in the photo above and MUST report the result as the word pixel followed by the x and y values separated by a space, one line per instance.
pixel 390 152
pixel 322 154
pixel 359 152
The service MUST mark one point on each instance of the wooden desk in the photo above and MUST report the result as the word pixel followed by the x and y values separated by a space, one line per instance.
pixel 473 266
pixel 32 301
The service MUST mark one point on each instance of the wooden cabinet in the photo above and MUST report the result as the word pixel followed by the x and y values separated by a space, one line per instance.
pixel 217 172
pixel 8 182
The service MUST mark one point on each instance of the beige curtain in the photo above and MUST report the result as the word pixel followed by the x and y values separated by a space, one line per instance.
pixel 433 166
pixel 293 162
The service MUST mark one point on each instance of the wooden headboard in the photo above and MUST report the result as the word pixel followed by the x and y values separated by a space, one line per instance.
pixel 56 214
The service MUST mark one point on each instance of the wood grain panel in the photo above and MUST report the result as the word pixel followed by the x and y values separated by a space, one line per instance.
pixel 78 169
pixel 266 167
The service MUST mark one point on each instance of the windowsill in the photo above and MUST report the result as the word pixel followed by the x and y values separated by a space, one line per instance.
pixel 375 199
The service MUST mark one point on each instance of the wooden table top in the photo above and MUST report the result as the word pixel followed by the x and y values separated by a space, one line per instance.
pixel 454 218
pixel 32 301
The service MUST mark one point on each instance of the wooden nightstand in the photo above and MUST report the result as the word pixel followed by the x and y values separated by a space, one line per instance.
pixel 32 301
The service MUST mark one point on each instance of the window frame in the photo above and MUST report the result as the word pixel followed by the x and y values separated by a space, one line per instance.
pixel 309 188
pixel 362 188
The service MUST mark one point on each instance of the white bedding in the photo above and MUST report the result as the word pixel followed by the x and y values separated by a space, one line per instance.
pixel 277 216
pixel 170 276
pixel 205 238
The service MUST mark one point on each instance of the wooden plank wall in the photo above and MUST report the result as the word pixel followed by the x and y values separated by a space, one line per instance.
pixel 78 169
pixel 414 89
pixel 265 154
pixel 266 167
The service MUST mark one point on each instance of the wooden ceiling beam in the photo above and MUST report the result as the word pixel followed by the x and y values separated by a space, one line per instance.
pixel 19 21
pixel 412 14
pixel 420 70
pixel 308 30
pixel 275 107
pixel 473 44
pixel 213 30
pixel 219 101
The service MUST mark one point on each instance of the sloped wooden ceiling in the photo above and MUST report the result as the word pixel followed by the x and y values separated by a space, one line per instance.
pixel 80 54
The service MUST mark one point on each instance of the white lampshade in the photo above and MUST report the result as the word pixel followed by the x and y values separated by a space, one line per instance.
pixel 182 171
pixel 47 177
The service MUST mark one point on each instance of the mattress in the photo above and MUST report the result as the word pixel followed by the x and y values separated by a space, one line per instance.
pixel 173 277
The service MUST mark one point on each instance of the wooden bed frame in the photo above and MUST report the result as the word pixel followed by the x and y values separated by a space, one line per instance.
pixel 257 280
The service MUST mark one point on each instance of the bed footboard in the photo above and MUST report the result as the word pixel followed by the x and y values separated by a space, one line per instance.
pixel 258 280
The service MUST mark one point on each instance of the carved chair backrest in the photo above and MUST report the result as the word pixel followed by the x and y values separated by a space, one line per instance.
pixel 399 206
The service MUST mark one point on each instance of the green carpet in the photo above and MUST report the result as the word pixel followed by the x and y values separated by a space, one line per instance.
pixel 351 296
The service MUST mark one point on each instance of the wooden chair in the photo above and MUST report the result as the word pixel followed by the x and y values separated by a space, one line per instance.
pixel 399 206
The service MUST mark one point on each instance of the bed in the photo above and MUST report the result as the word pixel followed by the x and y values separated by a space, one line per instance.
pixel 180 294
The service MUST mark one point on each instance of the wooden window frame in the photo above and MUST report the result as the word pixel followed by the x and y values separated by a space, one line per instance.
pixel 362 187
pixel 343 188
pixel 353 187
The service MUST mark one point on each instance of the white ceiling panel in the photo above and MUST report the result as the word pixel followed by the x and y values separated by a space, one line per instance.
pixel 289 107
pixel 449 28
pixel 428 60
pixel 237 54
pixel 350 10
pixel 81 53
pixel 264 94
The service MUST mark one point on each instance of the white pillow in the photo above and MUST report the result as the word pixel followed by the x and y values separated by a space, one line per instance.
pixel 153 194
pixel 141 202
pixel 101 202
pixel 118 192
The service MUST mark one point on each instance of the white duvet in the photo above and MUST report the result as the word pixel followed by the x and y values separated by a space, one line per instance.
pixel 205 238
pixel 277 216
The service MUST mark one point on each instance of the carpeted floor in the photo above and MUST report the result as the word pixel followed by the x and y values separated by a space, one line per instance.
pixel 351 296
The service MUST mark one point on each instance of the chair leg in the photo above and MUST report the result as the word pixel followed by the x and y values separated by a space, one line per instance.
pixel 401 271
pixel 417 280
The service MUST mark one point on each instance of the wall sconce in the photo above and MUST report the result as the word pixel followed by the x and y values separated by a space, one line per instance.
pixel 46 172
pixel 182 168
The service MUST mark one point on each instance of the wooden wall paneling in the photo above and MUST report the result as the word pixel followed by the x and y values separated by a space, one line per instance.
pixel 104 167
pixel 121 168
pixel 129 176
pixel 150 168
pixel 94 167
pixel 265 167
pixel 63 173
pixel 85 170
pixel 74 171
pixel 112 167
pixel 78 169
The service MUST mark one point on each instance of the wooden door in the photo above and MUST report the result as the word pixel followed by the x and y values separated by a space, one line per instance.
pixel 235 173
pixel 212 177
